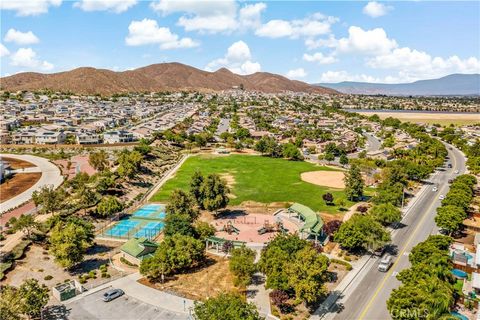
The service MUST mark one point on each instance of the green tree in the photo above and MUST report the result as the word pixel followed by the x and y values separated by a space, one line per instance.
pixel 26 223
pixel 458 197
pixel 386 213
pixel 242 265
pixel 143 147
pixel 361 232
pixel 178 223
pixel 34 297
pixel 69 242
pixel 98 160
pixel 214 193
pixel 291 152
pixel 307 274
pixel 429 299
pixel 277 255
pixel 343 160
pixel 174 254
pixel 181 202
pixel 200 140
pixel 129 163
pixel 195 187
pixel 387 193
pixel 450 218
pixel 108 206
pixel 354 183
pixel 329 156
pixel 105 181
pixel 87 197
pixel 48 198
pixel 226 306
pixel 203 230
pixel 10 303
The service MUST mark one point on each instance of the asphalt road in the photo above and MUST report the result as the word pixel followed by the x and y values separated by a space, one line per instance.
pixel 223 126
pixel 366 297
pixel 373 142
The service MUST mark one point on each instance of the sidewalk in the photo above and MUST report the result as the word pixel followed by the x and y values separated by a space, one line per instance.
pixel 325 306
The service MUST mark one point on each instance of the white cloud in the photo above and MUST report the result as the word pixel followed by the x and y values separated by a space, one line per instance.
pixel 373 41
pixel 339 76
pixel 250 15
pixel 311 26
pixel 375 9
pixel 117 6
pixel 237 59
pixel 3 51
pixel 319 58
pixel 209 16
pixel 29 7
pixel 298 73
pixel 413 65
pixel 21 38
pixel 147 31
pixel 26 57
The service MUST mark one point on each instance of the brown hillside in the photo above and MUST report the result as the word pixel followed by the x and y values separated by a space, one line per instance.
pixel 156 77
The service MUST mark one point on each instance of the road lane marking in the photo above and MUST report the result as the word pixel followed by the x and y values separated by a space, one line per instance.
pixel 389 273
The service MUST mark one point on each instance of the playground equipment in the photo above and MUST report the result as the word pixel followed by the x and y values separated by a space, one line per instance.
pixel 272 227
pixel 230 228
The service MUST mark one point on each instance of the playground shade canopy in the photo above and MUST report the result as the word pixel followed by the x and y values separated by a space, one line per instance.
pixel 313 222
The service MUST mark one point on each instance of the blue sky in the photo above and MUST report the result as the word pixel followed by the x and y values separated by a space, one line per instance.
pixel 313 41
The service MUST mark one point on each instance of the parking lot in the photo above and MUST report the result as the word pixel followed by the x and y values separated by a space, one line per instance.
pixel 92 307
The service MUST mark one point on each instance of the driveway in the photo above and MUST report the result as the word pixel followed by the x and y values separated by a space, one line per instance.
pixel 51 175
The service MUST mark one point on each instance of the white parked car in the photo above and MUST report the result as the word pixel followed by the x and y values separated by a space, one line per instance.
pixel 441 197
pixel 112 294
pixel 456 171
pixel 385 263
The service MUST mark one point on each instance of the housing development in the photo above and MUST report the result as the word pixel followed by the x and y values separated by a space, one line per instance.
pixel 171 192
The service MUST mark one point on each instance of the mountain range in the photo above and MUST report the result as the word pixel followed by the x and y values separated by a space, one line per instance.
pixel 156 77
pixel 451 85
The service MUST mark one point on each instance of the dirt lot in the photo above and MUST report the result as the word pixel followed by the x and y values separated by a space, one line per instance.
pixel 332 179
pixel 38 264
pixel 17 184
pixel 200 283
pixel 441 118
pixel 17 164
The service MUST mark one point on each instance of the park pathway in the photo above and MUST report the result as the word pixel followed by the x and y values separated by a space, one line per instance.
pixel 51 175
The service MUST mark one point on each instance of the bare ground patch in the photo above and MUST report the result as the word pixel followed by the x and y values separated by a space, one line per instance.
pixel 19 183
pixel 332 179
pixel 206 281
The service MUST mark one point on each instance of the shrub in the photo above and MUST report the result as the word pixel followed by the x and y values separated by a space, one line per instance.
pixel 343 263
pixel 49 277
pixel 128 263
pixel 92 274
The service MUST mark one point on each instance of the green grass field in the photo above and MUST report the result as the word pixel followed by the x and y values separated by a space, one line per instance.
pixel 258 179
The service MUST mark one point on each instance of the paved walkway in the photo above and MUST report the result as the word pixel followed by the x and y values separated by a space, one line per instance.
pixel 258 295
pixel 50 176
pixel 166 177
pixel 13 239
